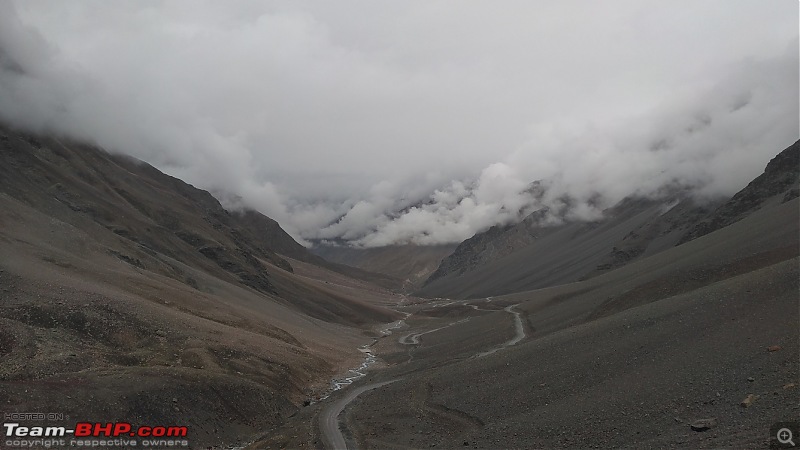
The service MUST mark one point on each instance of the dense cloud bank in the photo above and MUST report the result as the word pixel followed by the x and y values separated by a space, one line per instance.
pixel 421 122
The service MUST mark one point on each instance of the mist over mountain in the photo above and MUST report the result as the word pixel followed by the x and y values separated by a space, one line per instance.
pixel 355 131
pixel 438 224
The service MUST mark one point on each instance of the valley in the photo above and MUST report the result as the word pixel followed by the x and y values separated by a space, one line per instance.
pixel 399 225
pixel 628 358
pixel 129 293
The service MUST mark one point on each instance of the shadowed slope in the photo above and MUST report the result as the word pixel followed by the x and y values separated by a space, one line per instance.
pixel 126 293
pixel 629 358
pixel 780 179
pixel 411 263
pixel 527 256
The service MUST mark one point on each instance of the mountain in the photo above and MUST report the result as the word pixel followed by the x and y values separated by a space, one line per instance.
pixel 778 183
pixel 704 332
pixel 129 293
pixel 533 254
pixel 662 231
pixel 411 263
pixel 266 232
pixel 679 346
pixel 530 255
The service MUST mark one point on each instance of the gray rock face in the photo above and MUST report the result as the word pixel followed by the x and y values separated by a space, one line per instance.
pixel 533 254
pixel 636 227
pixel 496 242
pixel 659 233
pixel 781 176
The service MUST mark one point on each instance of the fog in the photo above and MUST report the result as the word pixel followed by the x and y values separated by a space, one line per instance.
pixel 369 124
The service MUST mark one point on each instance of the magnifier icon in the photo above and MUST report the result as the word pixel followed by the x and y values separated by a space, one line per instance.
pixel 785 436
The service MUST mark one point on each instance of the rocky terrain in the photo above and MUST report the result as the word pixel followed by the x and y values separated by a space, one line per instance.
pixel 532 255
pixel 777 183
pixel 693 346
pixel 411 263
pixel 128 294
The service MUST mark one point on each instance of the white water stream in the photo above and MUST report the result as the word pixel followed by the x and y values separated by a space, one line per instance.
pixel 369 359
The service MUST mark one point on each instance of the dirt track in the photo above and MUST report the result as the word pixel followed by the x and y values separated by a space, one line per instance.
pixel 329 416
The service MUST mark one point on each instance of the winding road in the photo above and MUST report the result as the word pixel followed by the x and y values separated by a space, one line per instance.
pixel 519 333
pixel 329 423
pixel 332 436
pixel 413 338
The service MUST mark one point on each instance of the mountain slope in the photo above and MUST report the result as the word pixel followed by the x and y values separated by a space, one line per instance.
pixel 779 182
pixel 128 293
pixel 410 263
pixel 261 230
pixel 629 358
pixel 158 215
pixel 528 256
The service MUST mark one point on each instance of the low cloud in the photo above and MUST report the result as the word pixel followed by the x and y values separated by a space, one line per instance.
pixel 421 123
pixel 708 144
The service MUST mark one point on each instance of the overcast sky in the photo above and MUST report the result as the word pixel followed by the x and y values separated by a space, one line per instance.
pixel 400 121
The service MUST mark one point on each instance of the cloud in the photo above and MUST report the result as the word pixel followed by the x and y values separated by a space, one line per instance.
pixel 450 214
pixel 710 143
pixel 715 140
pixel 421 122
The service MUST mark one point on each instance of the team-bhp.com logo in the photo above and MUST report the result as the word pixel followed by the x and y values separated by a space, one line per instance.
pixel 95 434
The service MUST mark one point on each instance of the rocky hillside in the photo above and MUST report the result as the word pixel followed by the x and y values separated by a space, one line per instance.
pixel 127 293
pixel 411 263
pixel 485 247
pixel 155 214
pixel 657 234
pixel 780 182
pixel 531 255
pixel 696 345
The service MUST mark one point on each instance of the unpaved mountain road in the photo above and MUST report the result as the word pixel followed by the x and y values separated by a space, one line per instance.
pixel 519 333
pixel 413 338
pixel 332 436
pixel 329 424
